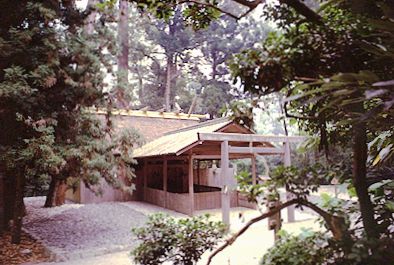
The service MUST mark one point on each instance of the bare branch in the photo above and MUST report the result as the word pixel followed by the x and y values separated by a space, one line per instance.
pixel 298 6
pixel 250 4
pixel 304 10
pixel 211 6
pixel 334 223
pixel 231 240
pixel 305 79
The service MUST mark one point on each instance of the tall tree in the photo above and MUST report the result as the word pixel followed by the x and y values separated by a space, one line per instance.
pixel 50 71
pixel 123 56
pixel 175 39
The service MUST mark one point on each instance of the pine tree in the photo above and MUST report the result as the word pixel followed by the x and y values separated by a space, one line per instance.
pixel 50 71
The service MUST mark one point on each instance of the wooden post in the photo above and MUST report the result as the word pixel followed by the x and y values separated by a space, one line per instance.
pixel 198 172
pixel 254 170
pixel 287 163
pixel 191 188
pixel 225 188
pixel 145 176
pixel 165 181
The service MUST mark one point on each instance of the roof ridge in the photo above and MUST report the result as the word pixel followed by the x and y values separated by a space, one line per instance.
pixel 147 114
pixel 199 125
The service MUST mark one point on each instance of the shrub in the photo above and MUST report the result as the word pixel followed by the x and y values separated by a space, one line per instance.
pixel 307 248
pixel 181 241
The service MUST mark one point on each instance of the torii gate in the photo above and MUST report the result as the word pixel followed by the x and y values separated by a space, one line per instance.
pixel 226 149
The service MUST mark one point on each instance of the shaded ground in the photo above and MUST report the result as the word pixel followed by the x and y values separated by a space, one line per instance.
pixel 99 234
pixel 29 250
pixel 74 231
pixel 246 250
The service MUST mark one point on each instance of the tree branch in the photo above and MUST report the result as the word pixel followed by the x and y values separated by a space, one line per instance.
pixel 250 4
pixel 298 6
pixel 335 224
pixel 211 6
pixel 231 240
pixel 304 10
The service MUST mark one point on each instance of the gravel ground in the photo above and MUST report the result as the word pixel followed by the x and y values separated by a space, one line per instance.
pixel 246 250
pixel 75 231
pixel 99 234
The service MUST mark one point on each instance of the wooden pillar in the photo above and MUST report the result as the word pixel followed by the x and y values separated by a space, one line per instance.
pixel 287 163
pixel 198 172
pixel 165 182
pixel 225 181
pixel 145 176
pixel 191 187
pixel 254 170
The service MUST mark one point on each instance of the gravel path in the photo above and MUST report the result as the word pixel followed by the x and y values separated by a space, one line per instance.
pixel 246 250
pixel 75 231
pixel 99 234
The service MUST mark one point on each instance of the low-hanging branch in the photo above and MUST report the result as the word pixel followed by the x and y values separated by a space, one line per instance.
pixel 334 223
pixel 297 5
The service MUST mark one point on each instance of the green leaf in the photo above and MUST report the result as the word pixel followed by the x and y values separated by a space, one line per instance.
pixel 390 205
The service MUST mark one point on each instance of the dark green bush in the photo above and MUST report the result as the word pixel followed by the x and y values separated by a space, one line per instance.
pixel 181 241
pixel 308 248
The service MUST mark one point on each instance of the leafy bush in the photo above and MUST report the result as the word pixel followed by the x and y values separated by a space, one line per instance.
pixel 308 248
pixel 181 241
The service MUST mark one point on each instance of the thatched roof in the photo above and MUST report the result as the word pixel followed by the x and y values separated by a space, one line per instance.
pixel 150 124
pixel 179 141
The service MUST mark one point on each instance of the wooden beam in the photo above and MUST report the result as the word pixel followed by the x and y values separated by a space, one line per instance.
pixel 147 113
pixel 191 185
pixel 165 182
pixel 218 157
pixel 145 176
pixel 287 163
pixel 224 165
pixel 188 147
pixel 208 157
pixel 161 158
pixel 254 171
pixel 256 150
pixel 238 137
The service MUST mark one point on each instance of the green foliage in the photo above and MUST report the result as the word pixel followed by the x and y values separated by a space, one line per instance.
pixel 245 187
pixel 196 14
pixel 50 72
pixel 308 248
pixel 381 149
pixel 337 78
pixel 180 241
pixel 299 181
pixel 326 70
pixel 383 199
pixel 240 112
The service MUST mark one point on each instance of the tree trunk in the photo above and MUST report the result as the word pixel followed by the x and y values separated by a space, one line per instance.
pixel 123 57
pixel 214 65
pixel 18 209
pixel 49 202
pixel 171 68
pixel 9 199
pixel 167 91
pixel 91 19
pixel 360 153
pixel 60 194
pixel 2 203
pixel 56 193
